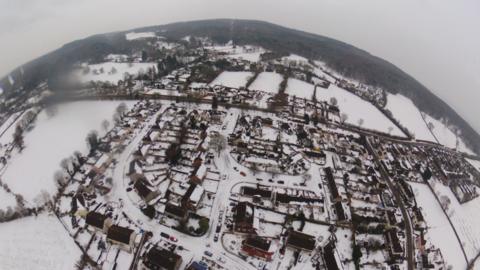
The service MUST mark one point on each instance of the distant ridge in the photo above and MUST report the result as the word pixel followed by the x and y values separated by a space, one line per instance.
pixel 345 59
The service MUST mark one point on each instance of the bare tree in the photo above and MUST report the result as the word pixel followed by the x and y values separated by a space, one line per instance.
pixel 92 141
pixel 60 179
pixel 105 125
pixel 66 164
pixel 18 137
pixel 121 109
pixel 51 111
pixel 360 122
pixel 217 143
pixel 333 101
pixel 43 198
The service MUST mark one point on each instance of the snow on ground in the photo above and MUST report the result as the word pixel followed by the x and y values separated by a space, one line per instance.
pixel 6 200
pixel 408 115
pixel 37 243
pixel 294 58
pixel 440 231
pixel 140 35
pixel 233 79
pixel 299 89
pixel 465 218
pixel 267 81
pixel 52 140
pixel 249 56
pixel 357 108
pixel 475 163
pixel 113 72
pixel 445 135
pixel 8 128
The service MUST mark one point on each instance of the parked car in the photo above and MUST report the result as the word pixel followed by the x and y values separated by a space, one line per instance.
pixel 215 238
pixel 164 235
pixel 208 253
pixel 173 239
pixel 243 174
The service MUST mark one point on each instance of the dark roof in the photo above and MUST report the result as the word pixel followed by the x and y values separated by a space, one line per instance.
pixel 394 241
pixel 95 219
pixel 258 242
pixel 175 210
pixel 315 154
pixel 329 257
pixel 197 266
pixel 301 240
pixel 162 258
pixel 142 189
pixel 340 211
pixel 241 213
pixel 189 192
pixel 119 234
pixel 331 182
pixel 250 191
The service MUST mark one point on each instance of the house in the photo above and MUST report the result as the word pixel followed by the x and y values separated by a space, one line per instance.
pixel 244 219
pixel 193 196
pixel 394 246
pixel 175 211
pixel 98 221
pixel 258 247
pixel 299 240
pixel 124 237
pixel 332 185
pixel 199 174
pixel 144 191
pixel 162 259
pixel 329 257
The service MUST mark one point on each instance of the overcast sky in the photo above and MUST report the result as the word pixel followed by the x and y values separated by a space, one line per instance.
pixel 436 41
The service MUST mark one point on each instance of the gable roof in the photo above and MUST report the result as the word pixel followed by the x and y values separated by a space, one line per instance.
pixel 301 240
pixel 119 234
pixel 258 242
pixel 95 219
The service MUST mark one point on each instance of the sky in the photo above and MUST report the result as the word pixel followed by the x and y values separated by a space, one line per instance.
pixel 435 41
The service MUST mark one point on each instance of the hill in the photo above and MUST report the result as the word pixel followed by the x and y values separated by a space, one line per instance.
pixel 345 59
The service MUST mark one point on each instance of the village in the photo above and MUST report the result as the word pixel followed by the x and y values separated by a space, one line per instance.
pixel 224 162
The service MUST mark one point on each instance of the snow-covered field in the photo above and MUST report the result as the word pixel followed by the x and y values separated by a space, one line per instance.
pixel 36 243
pixel 409 116
pixel 233 79
pixel 267 81
pixel 52 140
pixel 439 229
pixel 357 108
pixel 113 72
pixel 299 89
pixel 6 200
pixel 465 218
pixel 140 35
pixel 445 135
